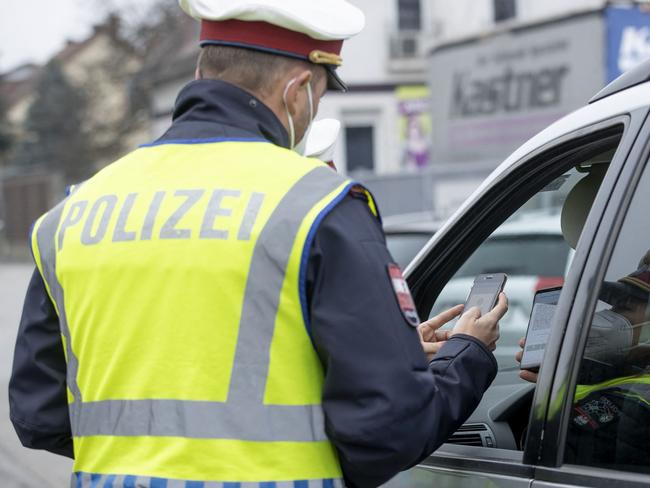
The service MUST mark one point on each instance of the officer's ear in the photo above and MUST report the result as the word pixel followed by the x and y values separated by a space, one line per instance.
pixel 296 90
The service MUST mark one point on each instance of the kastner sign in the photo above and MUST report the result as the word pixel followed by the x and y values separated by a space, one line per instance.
pixel 510 91
pixel 490 95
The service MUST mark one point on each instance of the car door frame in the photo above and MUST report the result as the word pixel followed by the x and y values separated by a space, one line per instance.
pixel 473 227
pixel 567 351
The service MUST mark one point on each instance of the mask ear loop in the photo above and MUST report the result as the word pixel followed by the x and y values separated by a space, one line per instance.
pixel 292 130
pixel 310 96
pixel 642 324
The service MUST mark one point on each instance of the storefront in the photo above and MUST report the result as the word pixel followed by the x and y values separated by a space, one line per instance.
pixel 491 94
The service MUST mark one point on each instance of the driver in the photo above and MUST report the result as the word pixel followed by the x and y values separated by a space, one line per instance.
pixel 611 409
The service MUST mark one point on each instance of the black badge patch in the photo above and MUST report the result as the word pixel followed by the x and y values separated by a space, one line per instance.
pixel 596 413
pixel 403 294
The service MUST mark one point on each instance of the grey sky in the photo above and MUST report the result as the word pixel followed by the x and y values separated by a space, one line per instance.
pixel 34 30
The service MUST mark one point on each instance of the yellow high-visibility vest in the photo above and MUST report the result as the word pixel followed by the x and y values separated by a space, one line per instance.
pixel 178 275
pixel 627 386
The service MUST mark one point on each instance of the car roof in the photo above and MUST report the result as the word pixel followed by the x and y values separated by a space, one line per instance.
pixel 620 103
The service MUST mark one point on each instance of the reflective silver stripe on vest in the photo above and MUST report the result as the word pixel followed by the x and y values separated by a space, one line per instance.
pixel 200 420
pixel 86 480
pixel 46 240
pixel 264 285
pixel 243 416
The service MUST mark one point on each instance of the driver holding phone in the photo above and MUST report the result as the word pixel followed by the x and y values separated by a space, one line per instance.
pixel 611 409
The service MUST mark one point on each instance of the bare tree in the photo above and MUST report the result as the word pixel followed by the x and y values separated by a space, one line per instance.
pixel 6 138
pixel 143 24
pixel 54 128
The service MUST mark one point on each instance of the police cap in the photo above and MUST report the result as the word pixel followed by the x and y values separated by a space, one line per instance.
pixel 310 30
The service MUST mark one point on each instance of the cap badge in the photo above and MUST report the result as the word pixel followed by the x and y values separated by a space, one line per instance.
pixel 321 57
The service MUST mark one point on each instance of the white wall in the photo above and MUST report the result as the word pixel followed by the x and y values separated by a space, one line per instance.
pixel 550 8
pixel 162 106
pixel 362 109
pixel 366 56
pixel 463 18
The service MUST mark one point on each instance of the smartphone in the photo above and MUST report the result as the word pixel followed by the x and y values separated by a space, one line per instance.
pixel 485 291
pixel 539 327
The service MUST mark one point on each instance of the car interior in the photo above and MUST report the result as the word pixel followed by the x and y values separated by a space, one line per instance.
pixel 564 199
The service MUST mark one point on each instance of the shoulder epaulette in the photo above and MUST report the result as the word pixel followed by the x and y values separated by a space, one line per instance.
pixel 362 193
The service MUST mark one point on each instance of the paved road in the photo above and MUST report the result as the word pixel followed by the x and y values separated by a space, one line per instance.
pixel 20 467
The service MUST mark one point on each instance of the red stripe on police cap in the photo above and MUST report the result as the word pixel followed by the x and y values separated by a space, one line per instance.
pixel 403 295
pixel 255 34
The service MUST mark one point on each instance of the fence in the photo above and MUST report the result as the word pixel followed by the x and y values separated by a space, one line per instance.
pixel 24 196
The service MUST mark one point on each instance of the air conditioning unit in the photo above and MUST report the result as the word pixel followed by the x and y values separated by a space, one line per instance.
pixel 478 435
pixel 406 45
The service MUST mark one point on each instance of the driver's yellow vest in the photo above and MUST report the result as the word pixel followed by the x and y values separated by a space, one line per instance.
pixel 178 274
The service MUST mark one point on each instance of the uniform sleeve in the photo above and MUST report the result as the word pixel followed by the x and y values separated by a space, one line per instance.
pixel 386 409
pixel 37 388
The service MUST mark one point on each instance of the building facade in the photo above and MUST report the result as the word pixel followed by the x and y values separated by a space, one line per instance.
pixel 441 92
pixel 386 128
pixel 502 70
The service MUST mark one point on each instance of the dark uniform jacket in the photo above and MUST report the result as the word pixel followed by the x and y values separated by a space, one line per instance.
pixel 386 408
pixel 609 427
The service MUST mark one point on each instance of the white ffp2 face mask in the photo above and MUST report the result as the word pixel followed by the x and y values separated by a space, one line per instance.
pixel 302 144
pixel 610 337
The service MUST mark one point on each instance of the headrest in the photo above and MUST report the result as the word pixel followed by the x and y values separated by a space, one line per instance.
pixel 578 203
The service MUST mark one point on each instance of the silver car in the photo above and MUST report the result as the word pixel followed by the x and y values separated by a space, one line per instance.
pixel 593 166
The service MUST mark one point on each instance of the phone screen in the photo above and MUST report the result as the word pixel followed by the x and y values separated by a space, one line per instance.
pixel 485 291
pixel 539 327
pixel 484 301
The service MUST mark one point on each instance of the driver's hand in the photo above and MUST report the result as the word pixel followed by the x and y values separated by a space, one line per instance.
pixel 525 374
pixel 433 339
pixel 484 328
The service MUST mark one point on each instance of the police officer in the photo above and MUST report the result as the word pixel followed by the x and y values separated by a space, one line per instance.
pixel 610 414
pixel 228 308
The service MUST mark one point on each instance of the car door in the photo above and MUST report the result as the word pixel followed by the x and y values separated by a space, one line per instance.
pixel 501 442
pixel 596 427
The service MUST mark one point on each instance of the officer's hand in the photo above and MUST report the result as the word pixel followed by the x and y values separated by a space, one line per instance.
pixel 525 374
pixel 433 339
pixel 485 328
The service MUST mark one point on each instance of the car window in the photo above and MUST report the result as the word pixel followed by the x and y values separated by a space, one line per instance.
pixel 533 248
pixel 609 423
pixel 511 254
pixel 404 246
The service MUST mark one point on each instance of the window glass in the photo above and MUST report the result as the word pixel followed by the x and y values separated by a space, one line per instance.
pixel 504 10
pixel 609 425
pixel 404 246
pixel 409 18
pixel 510 254
pixel 359 147
pixel 534 247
